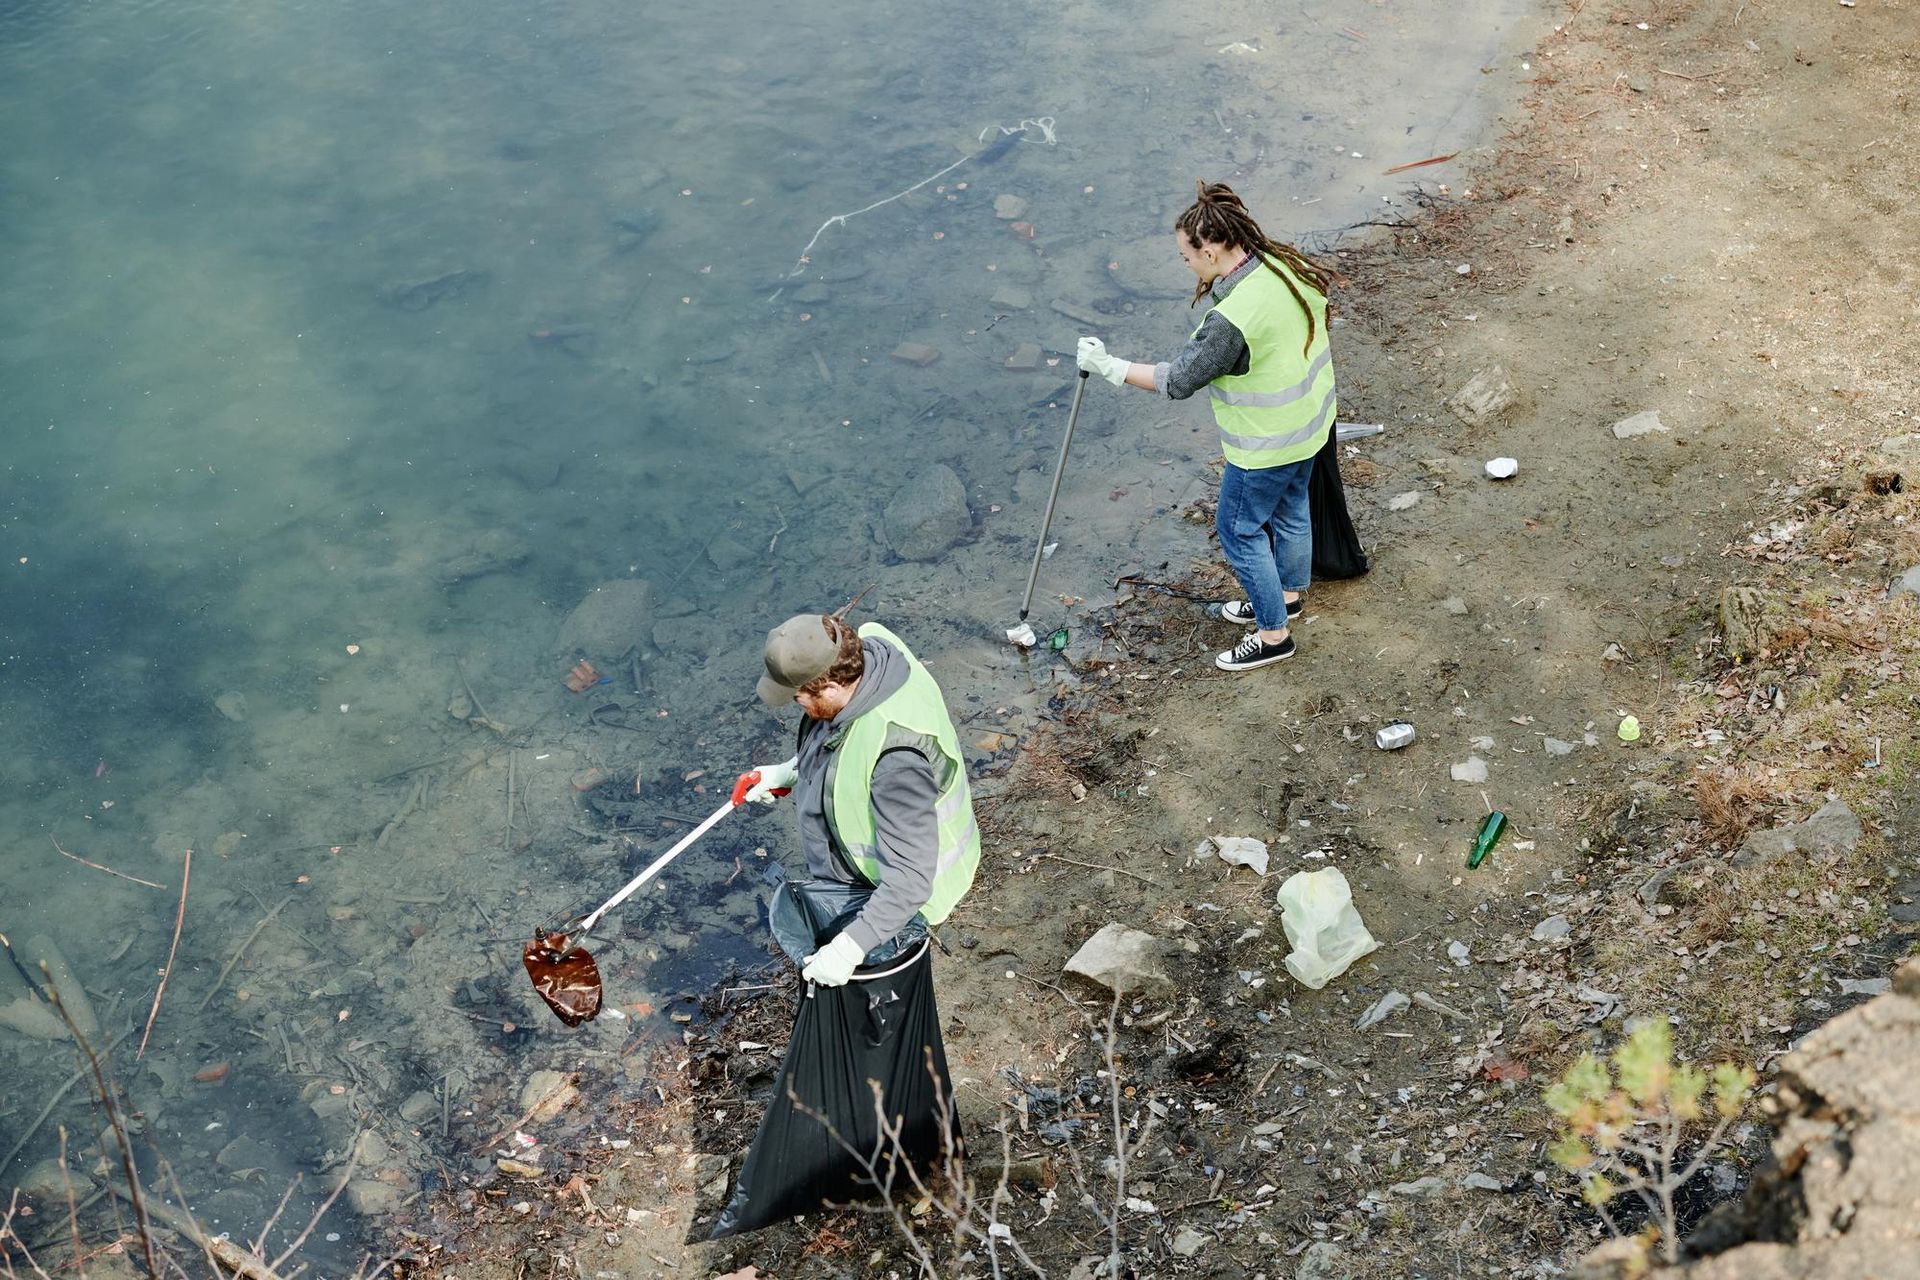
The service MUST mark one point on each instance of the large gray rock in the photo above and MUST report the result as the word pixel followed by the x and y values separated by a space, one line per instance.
pixel 1190 1242
pixel 928 515
pixel 1486 395
pixel 1323 1261
pixel 478 554
pixel 371 1199
pixel 1122 959
pixel 49 1181
pixel 1644 423
pixel 608 621
pixel 1420 1188
pixel 1833 828
pixel 1670 884
pixel 1907 584
pixel 710 1176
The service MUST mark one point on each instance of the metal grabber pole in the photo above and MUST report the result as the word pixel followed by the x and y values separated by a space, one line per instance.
pixel 1053 495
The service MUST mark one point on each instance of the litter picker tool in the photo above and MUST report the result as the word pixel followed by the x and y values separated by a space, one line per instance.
pixel 1053 496
pixel 563 972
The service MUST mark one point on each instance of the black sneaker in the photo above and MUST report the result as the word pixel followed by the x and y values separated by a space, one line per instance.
pixel 1253 652
pixel 1241 611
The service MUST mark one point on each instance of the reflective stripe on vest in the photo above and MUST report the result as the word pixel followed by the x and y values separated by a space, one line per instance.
pixel 1280 410
pixel 914 708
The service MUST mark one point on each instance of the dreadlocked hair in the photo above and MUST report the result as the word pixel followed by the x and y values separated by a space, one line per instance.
pixel 1218 216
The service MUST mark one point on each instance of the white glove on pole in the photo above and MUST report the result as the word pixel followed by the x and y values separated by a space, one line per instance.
pixel 774 778
pixel 834 963
pixel 1092 356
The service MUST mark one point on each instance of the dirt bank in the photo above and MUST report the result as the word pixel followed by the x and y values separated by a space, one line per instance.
pixel 1698 212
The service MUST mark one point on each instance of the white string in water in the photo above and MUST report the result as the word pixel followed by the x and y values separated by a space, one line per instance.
pixel 1044 124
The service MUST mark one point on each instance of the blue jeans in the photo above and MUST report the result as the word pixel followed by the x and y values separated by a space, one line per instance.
pixel 1266 533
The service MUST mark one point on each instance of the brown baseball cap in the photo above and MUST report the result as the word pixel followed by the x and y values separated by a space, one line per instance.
pixel 799 651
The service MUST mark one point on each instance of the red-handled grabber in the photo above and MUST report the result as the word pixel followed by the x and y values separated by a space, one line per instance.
pixel 563 972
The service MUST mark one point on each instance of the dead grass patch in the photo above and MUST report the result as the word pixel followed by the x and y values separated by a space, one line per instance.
pixel 1732 801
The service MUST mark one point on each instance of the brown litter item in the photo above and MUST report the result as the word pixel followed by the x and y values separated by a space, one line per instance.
pixel 583 676
pixel 563 974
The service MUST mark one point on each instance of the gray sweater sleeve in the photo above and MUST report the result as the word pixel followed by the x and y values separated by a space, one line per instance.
pixel 1216 350
pixel 908 840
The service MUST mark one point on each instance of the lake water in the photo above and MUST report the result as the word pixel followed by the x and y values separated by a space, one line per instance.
pixel 348 347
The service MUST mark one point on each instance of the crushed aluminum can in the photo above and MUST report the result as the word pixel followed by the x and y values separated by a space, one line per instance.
pixel 1392 737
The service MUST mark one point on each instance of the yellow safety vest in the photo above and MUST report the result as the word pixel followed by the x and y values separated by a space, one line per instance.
pixel 1280 410
pixel 913 713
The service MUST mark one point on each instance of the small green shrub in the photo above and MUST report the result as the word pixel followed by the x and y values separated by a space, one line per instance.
pixel 1634 1125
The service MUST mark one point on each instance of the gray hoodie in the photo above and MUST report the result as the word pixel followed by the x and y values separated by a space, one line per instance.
pixel 904 793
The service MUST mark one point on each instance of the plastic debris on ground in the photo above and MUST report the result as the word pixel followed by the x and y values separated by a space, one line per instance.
pixel 1322 924
pixel 1241 851
pixel 1382 1009
pixel 1023 636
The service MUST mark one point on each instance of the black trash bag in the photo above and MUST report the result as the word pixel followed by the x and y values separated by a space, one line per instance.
pixel 803 914
pixel 1336 547
pixel 883 1027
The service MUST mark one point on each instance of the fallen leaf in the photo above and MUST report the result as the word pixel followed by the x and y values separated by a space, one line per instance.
pixel 1505 1068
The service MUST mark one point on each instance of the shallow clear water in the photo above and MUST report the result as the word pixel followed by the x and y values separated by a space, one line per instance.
pixel 346 348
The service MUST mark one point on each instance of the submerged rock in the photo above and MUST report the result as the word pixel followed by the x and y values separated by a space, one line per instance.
pixel 370 1198
pixel 486 551
pixel 928 515
pixel 49 1180
pixel 546 1094
pixel 609 620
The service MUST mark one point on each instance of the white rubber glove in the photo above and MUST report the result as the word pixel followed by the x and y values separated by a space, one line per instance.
pixel 1092 356
pixel 834 963
pixel 773 778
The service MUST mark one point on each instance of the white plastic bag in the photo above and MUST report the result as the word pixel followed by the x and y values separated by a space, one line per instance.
pixel 1317 911
pixel 1240 851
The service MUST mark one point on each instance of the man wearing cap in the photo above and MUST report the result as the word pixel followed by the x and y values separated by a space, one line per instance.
pixel 878 779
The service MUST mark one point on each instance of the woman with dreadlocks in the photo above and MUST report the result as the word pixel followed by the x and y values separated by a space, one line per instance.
pixel 1261 352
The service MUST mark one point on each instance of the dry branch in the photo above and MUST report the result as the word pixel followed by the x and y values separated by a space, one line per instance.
pixel 179 918
pixel 97 867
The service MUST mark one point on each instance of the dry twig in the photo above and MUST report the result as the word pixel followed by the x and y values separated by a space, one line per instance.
pixel 104 1093
pixel 179 918
pixel 97 867
pixel 239 951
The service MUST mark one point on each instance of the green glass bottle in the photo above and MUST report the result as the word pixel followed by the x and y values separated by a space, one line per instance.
pixel 1058 640
pixel 1489 835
